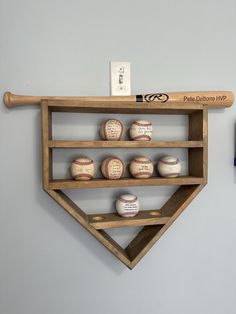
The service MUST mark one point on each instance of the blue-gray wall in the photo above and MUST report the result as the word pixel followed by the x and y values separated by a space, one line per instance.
pixel 48 263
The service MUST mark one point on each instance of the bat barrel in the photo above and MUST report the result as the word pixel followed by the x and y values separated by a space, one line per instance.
pixel 213 99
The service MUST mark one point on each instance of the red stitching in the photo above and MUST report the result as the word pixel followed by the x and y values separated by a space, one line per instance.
pixel 137 174
pixel 86 175
pixel 77 162
pixel 147 161
pixel 142 136
pixel 142 124
pixel 170 162
pixel 127 201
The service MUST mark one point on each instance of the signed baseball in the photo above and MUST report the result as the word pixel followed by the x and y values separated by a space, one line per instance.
pixel 82 169
pixel 113 168
pixel 111 130
pixel 169 167
pixel 127 205
pixel 141 130
pixel 141 167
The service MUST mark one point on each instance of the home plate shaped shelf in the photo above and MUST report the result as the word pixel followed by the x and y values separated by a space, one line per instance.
pixel 154 222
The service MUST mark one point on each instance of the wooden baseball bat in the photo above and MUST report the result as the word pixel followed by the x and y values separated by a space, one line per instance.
pixel 213 99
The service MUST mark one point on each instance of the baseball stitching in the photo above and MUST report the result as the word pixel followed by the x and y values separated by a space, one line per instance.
pixel 170 162
pixel 145 173
pixel 84 163
pixel 127 201
pixel 148 161
pixel 142 124
pixel 142 136
pixel 82 175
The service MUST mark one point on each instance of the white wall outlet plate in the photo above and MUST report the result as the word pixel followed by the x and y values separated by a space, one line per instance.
pixel 120 78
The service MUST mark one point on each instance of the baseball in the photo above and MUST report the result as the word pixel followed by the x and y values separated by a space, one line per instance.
pixel 141 130
pixel 141 167
pixel 82 169
pixel 113 168
pixel 169 167
pixel 111 130
pixel 127 205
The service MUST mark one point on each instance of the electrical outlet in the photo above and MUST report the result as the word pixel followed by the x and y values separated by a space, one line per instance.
pixel 120 78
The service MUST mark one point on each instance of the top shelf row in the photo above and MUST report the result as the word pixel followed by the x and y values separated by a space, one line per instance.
pixel 91 106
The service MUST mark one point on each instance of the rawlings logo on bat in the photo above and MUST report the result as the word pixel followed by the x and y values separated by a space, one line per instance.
pixel 160 97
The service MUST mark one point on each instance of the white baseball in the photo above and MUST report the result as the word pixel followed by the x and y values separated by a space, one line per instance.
pixel 169 167
pixel 127 205
pixel 141 167
pixel 113 168
pixel 82 169
pixel 111 130
pixel 141 130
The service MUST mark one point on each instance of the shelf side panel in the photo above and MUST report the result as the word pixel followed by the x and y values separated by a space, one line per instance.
pixel 46 129
pixel 198 156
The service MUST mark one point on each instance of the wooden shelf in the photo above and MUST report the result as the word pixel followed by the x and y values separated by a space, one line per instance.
pixel 125 182
pixel 123 144
pixel 155 222
pixel 119 105
pixel 113 220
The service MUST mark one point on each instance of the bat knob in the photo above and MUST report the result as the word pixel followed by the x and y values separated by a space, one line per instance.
pixel 7 97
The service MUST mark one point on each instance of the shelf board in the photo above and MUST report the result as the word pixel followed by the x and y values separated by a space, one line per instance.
pixel 123 144
pixel 120 105
pixel 113 220
pixel 62 184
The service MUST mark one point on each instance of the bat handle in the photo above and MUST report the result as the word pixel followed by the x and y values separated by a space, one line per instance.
pixel 11 100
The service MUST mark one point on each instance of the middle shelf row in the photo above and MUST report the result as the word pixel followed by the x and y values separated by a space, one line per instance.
pixel 190 159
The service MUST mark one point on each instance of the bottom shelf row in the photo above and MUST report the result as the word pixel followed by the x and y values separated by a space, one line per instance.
pixel 113 220
pixel 127 214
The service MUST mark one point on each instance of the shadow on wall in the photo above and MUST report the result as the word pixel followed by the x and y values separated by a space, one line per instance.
pixel 235 152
